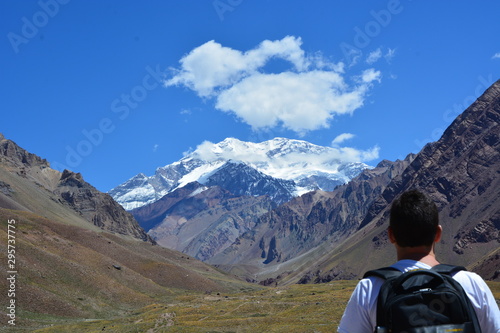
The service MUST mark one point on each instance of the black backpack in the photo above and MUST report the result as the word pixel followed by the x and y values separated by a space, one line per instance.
pixel 423 301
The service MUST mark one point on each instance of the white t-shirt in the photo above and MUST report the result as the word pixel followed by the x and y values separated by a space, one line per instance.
pixel 360 315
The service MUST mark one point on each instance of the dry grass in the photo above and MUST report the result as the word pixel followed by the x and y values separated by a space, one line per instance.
pixel 296 308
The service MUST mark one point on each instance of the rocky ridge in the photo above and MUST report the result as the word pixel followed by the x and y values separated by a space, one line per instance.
pixel 21 169
pixel 201 221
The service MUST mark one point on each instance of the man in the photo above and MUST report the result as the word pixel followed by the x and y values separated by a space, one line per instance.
pixel 414 229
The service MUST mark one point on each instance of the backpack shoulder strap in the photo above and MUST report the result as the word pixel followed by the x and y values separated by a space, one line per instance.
pixel 384 273
pixel 447 269
pixel 389 274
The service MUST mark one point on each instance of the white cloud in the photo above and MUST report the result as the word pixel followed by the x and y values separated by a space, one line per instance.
pixel 389 54
pixel 341 138
pixel 155 148
pixel 496 56
pixel 303 98
pixel 374 56
pixel 331 156
pixel 289 48
pixel 204 151
pixel 212 65
pixel 350 154
pixel 211 152
pixel 208 66
pixel 353 154
pixel 370 75
pixel 298 101
pixel 187 152
pixel 320 62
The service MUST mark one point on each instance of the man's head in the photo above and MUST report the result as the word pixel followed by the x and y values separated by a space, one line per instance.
pixel 414 220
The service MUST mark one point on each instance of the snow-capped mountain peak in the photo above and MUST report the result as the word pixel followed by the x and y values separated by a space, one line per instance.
pixel 299 165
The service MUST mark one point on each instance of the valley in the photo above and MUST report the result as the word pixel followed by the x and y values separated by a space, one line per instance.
pixel 235 249
pixel 295 309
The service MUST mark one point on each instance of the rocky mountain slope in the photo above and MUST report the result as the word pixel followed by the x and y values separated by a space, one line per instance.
pixel 461 172
pixel 295 233
pixel 199 220
pixel 280 168
pixel 28 183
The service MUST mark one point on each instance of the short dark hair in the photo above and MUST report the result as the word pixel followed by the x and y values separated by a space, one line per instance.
pixel 414 219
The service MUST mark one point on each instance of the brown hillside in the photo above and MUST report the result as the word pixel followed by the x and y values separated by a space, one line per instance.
pixel 69 271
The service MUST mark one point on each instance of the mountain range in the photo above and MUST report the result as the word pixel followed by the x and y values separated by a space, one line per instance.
pixel 216 193
pixel 230 207
pixel 280 168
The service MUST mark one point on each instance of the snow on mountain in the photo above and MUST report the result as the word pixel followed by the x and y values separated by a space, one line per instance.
pixel 299 165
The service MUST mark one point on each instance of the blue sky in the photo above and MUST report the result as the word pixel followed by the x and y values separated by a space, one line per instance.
pixel 114 88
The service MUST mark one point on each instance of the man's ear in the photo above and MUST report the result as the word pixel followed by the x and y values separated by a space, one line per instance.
pixel 439 232
pixel 392 239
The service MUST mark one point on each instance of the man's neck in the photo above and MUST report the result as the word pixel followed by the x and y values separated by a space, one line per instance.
pixel 422 254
